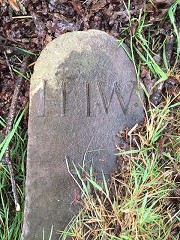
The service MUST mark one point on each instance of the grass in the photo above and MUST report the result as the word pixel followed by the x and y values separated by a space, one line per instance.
pixel 10 220
pixel 138 201
pixel 135 203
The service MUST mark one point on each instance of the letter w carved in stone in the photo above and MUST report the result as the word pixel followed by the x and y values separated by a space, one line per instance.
pixel 115 90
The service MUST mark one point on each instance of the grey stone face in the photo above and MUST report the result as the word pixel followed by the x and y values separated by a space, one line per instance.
pixel 83 91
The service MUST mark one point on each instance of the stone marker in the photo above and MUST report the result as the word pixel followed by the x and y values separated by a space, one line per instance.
pixel 83 91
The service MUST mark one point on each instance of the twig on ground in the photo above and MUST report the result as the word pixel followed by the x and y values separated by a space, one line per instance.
pixel 10 50
pixel 9 66
pixel 9 126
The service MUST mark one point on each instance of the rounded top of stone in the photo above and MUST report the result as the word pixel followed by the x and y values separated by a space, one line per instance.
pixel 59 50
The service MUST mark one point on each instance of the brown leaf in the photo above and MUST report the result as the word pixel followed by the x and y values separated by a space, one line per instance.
pixel 77 6
pixel 98 6
pixel 162 141
pixel 146 79
pixel 14 5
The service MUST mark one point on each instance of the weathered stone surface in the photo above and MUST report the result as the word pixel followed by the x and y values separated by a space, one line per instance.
pixel 83 91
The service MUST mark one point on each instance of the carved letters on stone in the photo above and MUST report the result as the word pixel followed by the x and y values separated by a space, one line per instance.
pixel 87 88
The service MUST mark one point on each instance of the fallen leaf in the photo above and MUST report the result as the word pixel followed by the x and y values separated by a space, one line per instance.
pixel 98 6
pixel 77 6
pixel 14 5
